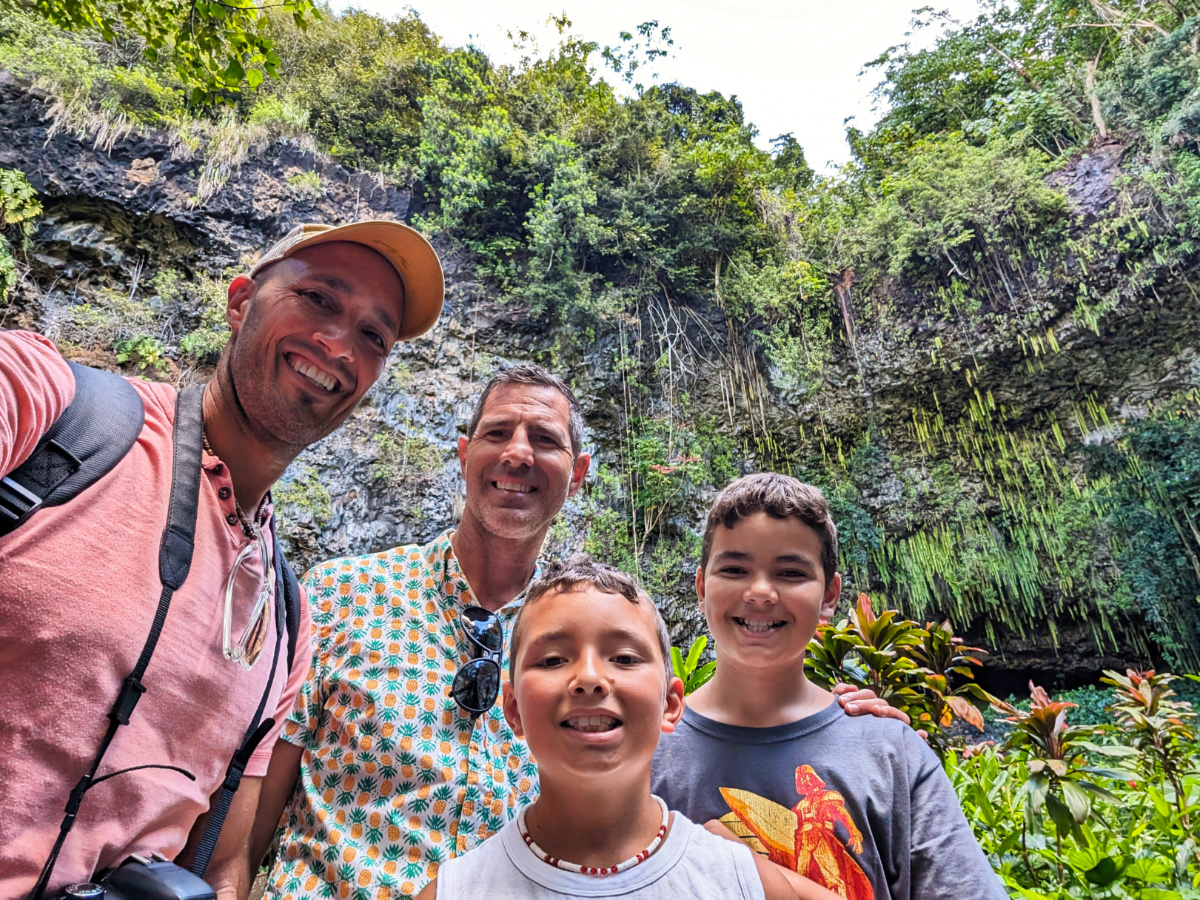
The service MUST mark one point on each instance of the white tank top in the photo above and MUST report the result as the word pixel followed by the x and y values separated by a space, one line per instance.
pixel 689 863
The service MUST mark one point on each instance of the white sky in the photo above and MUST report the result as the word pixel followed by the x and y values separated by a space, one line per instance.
pixel 794 64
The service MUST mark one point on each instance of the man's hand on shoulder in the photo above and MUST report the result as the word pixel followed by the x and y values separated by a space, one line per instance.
pixel 429 892
pixel 863 701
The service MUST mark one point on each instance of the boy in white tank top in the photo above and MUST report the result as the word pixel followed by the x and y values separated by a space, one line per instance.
pixel 590 688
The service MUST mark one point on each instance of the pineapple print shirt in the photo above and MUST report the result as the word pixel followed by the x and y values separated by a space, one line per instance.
pixel 395 779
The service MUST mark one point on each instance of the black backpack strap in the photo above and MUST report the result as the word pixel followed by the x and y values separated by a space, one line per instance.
pixel 286 577
pixel 93 433
pixel 174 560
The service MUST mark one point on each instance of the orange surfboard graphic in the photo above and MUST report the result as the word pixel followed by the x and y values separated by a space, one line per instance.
pixel 803 837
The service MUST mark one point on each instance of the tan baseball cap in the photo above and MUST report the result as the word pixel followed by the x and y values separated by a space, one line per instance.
pixel 406 249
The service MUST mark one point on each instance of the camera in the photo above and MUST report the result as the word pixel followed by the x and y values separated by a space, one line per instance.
pixel 142 878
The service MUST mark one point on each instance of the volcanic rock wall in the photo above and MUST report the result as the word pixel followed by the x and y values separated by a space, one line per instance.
pixel 113 218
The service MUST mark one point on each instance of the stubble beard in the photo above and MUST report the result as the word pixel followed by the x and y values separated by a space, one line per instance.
pixel 264 409
pixel 512 524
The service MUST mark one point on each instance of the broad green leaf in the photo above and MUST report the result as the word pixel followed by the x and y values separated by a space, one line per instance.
pixel 1149 870
pixel 677 664
pixel 694 652
pixel 1060 814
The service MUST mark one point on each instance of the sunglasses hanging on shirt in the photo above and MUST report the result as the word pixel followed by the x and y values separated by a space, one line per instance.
pixel 259 584
pixel 477 683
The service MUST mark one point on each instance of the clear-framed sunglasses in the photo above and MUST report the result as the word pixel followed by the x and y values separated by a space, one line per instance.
pixel 245 580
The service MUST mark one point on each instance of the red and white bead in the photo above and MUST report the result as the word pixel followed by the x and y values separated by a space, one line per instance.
pixel 593 870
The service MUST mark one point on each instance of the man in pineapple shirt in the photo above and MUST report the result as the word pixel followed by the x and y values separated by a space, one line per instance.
pixel 395 774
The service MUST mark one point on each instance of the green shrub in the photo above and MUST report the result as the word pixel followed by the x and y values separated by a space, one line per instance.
pixel 956 213
pixel 305 185
pixel 200 302
pixel 302 497
pixel 281 118
pixel 19 206
pixel 143 353
pixel 404 456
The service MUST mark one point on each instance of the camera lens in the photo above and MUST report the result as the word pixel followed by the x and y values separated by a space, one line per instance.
pixel 84 890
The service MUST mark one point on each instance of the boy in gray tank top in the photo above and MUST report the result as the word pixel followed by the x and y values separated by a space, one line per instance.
pixel 858 805
pixel 591 689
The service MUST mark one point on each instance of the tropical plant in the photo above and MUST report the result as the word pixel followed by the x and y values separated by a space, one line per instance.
pixel 879 662
pixel 1132 848
pixel 947 666
pixel 1060 779
pixel 925 671
pixel 689 669
pixel 1158 727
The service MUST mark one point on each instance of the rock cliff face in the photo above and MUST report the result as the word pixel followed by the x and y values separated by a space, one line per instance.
pixel 113 219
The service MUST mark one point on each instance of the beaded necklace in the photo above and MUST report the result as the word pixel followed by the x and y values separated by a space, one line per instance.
pixel 594 870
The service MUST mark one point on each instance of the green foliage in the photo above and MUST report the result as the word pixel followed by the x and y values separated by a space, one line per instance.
pixel 954 213
pixel 689 669
pixel 1047 73
pixel 1152 504
pixel 280 117
pixel 924 671
pixel 105 92
pixel 305 185
pixel 1057 820
pixel 214 48
pixel 1132 847
pixel 143 353
pixel 402 456
pixel 104 319
pixel 1158 727
pixel 19 206
pixel 302 497
pixel 788 306
pixel 201 302
pixel 1059 780
pixel 361 79
pixel 100 90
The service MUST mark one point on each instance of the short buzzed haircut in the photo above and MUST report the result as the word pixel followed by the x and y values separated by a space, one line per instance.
pixel 583 571
pixel 532 374
pixel 780 497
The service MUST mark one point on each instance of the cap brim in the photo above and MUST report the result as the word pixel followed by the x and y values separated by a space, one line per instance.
pixel 409 253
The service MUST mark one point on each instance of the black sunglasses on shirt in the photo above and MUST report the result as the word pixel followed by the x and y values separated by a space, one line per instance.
pixel 477 682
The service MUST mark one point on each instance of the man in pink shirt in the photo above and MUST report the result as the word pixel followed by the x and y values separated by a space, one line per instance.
pixel 312 326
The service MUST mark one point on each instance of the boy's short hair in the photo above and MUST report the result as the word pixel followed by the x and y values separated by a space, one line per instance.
pixel 781 497
pixel 582 570
pixel 532 374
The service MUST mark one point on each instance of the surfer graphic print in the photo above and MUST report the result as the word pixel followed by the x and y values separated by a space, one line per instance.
pixel 804 838
pixel 860 805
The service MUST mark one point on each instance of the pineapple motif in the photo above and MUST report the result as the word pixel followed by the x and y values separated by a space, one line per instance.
pixel 393 755
pixel 358 820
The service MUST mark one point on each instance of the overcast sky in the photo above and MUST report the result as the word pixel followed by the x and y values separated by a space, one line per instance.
pixel 794 64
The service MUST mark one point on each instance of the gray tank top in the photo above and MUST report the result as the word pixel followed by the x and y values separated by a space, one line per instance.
pixel 690 863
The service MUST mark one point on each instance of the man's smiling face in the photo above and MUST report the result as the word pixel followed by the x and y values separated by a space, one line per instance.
pixel 518 464
pixel 312 333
